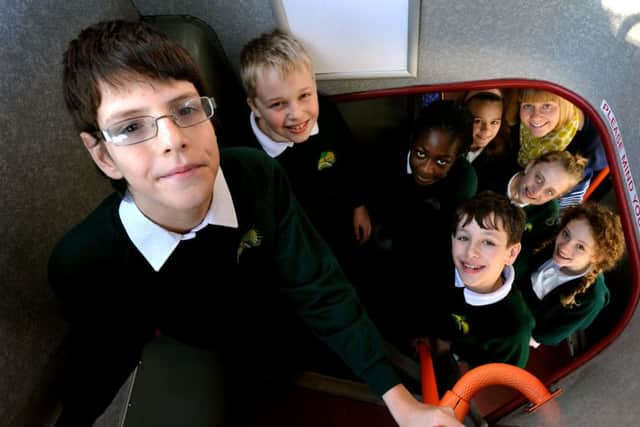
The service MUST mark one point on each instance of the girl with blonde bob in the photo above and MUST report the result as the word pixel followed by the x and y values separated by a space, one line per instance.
pixel 566 290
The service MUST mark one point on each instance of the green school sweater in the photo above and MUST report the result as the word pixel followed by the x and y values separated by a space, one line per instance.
pixel 554 322
pixel 542 225
pixel 496 332
pixel 222 286
pixel 326 175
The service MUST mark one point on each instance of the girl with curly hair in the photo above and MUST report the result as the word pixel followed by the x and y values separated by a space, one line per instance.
pixel 566 291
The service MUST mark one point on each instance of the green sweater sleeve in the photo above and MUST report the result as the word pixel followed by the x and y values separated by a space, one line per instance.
pixel 322 296
pixel 554 323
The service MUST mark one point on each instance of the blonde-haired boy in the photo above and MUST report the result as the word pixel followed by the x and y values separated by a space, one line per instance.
pixel 278 75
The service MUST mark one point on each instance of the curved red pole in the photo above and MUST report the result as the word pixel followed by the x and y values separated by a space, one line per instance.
pixel 427 374
pixel 596 182
pixel 495 374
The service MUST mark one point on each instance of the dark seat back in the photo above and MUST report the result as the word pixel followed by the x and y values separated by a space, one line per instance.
pixel 195 35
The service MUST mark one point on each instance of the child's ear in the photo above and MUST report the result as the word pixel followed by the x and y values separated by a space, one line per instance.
pixel 100 156
pixel 513 253
pixel 254 108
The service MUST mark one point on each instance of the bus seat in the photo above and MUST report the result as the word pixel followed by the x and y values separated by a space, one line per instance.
pixel 201 41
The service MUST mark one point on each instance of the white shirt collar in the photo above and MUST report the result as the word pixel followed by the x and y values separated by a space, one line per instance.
pixel 513 202
pixel 478 299
pixel 472 155
pixel 548 277
pixel 156 243
pixel 271 147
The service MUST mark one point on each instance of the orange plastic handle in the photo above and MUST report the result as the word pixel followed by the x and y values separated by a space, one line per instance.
pixel 495 374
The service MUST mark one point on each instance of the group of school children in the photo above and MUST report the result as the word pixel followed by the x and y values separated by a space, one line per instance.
pixel 287 218
pixel 494 277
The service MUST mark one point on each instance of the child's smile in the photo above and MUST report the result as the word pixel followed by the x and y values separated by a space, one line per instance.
pixel 480 255
pixel 286 108
pixel 541 182
pixel 574 247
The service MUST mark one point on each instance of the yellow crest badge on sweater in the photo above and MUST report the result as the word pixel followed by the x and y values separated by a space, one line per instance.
pixel 327 159
pixel 251 239
pixel 461 323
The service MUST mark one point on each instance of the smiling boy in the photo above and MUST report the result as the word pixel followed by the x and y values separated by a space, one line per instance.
pixel 155 256
pixel 317 151
pixel 490 321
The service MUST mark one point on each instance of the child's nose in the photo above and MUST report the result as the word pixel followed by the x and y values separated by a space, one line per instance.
pixel 428 167
pixel 294 109
pixel 534 189
pixel 170 135
pixel 474 249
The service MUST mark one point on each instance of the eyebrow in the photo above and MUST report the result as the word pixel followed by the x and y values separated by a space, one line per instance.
pixel 578 240
pixel 571 234
pixel 437 157
pixel 491 232
pixel 277 98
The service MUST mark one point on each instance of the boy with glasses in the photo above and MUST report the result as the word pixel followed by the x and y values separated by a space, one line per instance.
pixel 181 247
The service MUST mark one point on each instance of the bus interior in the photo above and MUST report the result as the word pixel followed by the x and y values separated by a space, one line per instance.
pixel 595 369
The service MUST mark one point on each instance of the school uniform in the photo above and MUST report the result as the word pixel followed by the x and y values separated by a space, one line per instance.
pixel 237 281
pixel 543 288
pixel 493 327
pixel 488 164
pixel 542 224
pixel 323 174
pixel 587 143
pixel 420 218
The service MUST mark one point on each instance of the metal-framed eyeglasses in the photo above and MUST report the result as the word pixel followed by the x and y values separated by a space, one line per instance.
pixel 135 130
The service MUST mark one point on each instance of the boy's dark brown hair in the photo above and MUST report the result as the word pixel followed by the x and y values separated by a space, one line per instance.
pixel 115 53
pixel 492 211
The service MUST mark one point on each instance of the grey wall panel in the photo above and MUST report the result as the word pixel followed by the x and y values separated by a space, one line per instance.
pixel 47 184
pixel 575 44
pixel 235 22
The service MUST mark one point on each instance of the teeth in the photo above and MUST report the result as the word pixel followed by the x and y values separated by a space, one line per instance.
pixel 297 127
pixel 471 267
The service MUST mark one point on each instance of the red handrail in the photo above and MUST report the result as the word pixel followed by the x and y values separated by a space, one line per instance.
pixel 459 397
pixel 595 182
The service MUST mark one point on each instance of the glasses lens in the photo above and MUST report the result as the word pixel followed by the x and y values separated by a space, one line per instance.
pixel 193 111
pixel 131 131
pixel 139 129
